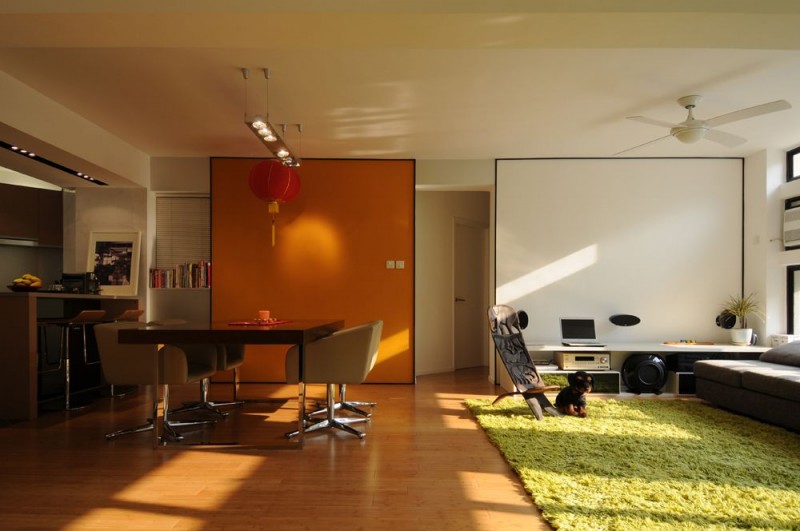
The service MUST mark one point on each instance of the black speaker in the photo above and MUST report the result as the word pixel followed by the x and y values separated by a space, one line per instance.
pixel 644 373
pixel 726 320
pixel 624 319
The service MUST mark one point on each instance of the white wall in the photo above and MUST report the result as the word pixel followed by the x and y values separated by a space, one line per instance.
pixel 455 174
pixel 8 176
pixel 657 238
pixel 180 174
pixel 765 276
pixel 176 175
pixel 104 209
pixel 60 134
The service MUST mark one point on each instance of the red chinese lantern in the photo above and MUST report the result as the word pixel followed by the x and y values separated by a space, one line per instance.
pixel 274 183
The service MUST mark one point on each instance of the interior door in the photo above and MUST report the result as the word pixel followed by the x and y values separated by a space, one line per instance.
pixel 470 266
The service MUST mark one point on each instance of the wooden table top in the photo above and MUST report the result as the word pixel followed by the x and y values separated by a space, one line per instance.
pixel 294 332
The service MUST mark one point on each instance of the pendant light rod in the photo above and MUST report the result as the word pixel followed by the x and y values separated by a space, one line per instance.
pixel 265 132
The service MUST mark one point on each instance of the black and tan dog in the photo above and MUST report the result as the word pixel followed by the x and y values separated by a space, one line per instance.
pixel 572 399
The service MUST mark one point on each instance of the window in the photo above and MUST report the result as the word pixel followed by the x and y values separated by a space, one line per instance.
pixel 792 299
pixel 793 164
pixel 183 229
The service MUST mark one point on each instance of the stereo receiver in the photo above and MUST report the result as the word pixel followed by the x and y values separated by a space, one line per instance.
pixel 582 361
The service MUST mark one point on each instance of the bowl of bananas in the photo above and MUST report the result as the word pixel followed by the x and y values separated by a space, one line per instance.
pixel 26 282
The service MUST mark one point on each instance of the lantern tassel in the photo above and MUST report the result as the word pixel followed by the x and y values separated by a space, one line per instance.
pixel 273 209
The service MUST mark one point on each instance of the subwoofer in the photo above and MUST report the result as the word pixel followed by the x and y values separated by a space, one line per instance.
pixel 644 373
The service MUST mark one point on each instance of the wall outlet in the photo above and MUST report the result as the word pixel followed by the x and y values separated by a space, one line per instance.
pixel 400 264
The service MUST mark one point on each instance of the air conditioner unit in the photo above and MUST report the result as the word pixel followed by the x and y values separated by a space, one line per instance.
pixel 791 228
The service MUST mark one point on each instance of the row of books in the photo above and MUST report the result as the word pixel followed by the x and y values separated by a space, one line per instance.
pixel 188 275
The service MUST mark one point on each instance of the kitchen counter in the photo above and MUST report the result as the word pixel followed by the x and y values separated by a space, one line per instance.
pixel 19 312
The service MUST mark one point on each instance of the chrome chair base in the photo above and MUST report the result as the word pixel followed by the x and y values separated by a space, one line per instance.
pixel 125 431
pixel 346 406
pixel 343 403
pixel 200 406
pixel 169 425
pixel 170 433
pixel 331 421
pixel 204 404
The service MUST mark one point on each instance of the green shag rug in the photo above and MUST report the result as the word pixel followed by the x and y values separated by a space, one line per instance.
pixel 644 464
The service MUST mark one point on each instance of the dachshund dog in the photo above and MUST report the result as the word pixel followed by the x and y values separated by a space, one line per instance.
pixel 572 399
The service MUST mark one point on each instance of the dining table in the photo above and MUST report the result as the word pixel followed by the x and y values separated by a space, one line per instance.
pixel 298 332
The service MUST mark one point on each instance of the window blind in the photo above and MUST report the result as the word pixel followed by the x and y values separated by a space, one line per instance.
pixel 183 230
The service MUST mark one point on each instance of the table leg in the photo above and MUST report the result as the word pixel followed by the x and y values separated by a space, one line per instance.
pixel 156 438
pixel 301 391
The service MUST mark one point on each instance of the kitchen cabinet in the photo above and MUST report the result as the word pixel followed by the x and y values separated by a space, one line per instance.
pixel 50 220
pixel 32 214
pixel 19 207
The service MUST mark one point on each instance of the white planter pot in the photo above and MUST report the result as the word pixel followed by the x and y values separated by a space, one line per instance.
pixel 741 336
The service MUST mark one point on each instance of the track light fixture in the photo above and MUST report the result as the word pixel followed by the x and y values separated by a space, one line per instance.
pixel 19 150
pixel 265 132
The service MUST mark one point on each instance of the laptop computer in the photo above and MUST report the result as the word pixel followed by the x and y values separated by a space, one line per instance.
pixel 578 333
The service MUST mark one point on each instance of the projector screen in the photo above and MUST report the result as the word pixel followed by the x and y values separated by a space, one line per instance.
pixel 657 238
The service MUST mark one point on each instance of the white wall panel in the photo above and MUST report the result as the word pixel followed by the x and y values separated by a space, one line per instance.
pixel 657 238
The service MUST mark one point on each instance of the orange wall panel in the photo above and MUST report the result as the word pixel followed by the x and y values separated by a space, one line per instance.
pixel 329 261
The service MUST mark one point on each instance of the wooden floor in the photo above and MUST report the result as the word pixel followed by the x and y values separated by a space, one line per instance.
pixel 423 465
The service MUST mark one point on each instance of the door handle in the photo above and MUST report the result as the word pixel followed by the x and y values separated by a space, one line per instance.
pixel 459 299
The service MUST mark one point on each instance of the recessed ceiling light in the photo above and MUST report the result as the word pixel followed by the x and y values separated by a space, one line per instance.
pixel 56 165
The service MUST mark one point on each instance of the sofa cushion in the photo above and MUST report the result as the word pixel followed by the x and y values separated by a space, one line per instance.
pixel 728 372
pixel 786 354
pixel 775 380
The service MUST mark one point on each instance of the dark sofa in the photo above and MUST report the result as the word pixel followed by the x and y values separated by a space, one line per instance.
pixel 767 389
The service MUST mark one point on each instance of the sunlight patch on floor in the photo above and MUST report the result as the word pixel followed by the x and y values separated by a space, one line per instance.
pixel 226 476
pixel 112 518
pixel 454 412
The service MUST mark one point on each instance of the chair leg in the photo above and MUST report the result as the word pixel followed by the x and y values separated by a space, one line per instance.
pixel 343 403
pixel 69 404
pixel 355 407
pixel 170 433
pixel 86 348
pixel 138 429
pixel 234 402
pixel 203 404
pixel 151 422
pixel 330 421
pixel 236 385
pixel 65 353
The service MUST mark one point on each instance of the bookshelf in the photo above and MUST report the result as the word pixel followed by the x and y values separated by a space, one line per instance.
pixel 190 275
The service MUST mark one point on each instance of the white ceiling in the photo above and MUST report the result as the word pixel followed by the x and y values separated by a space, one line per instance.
pixel 435 79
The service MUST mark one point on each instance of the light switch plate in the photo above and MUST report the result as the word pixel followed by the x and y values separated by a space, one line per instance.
pixel 400 264
pixel 389 264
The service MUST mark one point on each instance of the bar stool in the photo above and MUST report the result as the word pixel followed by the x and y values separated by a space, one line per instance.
pixel 127 315
pixel 80 321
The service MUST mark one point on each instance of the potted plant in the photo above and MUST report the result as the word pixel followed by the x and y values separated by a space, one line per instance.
pixel 741 307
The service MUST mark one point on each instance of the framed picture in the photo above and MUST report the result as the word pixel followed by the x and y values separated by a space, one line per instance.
pixel 114 259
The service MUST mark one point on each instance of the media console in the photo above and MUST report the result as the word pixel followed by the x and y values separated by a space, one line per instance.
pixel 678 360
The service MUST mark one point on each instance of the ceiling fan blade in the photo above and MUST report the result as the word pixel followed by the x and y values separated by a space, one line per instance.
pixel 650 121
pixel 741 114
pixel 641 145
pixel 726 139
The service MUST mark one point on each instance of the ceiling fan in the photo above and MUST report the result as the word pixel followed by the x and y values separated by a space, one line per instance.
pixel 693 130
